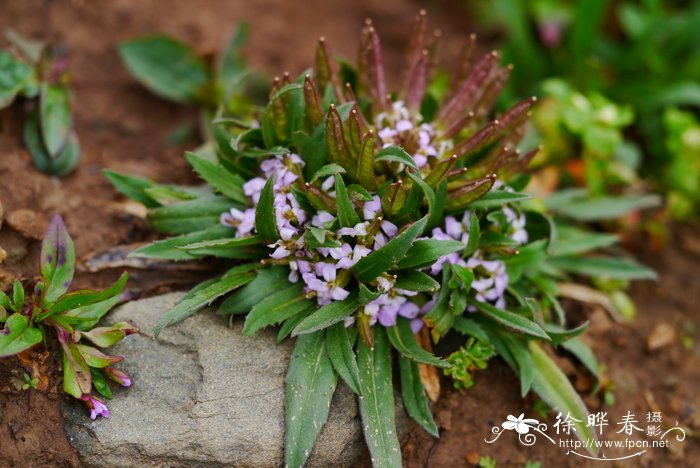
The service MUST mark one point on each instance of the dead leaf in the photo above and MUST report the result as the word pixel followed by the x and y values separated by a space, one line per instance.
pixel 428 374
pixel 118 257
pixel 663 334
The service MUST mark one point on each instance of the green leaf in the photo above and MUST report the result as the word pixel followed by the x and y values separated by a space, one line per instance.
pixel 281 305
pixel 395 154
pixel 77 379
pixel 267 281
pixel 523 360
pixel 265 223
pixel 100 383
pixel 339 344
pixel 84 298
pixel 240 248
pixel 189 216
pixel 367 295
pixel 57 260
pixel 218 177
pixel 510 320
pixel 327 171
pixel 413 395
pixel 18 335
pixel 470 327
pixel 601 208
pixel 377 402
pixel 55 117
pixel 572 241
pixel 192 303
pixel 497 198
pixel 170 248
pixel 561 335
pixel 403 339
pixel 554 388
pixel 474 235
pixel 416 281
pixel 13 76
pixel 133 187
pixel 310 385
pixel 18 296
pixel 166 66
pixel 289 324
pixel 584 354
pixel 390 254
pixel 232 64
pixel 346 212
pixel 618 268
pixel 85 318
pixel 425 252
pixel 328 315
pixel 60 164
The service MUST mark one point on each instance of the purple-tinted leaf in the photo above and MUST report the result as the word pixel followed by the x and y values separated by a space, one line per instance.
pixel 96 358
pixel 77 380
pixel 57 260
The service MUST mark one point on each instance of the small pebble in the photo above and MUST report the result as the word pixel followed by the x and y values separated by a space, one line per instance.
pixel 661 335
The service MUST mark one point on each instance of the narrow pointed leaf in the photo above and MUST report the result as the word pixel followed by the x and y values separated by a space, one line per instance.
pixel 425 252
pixel 413 394
pixel 396 154
pixel 510 320
pixel 327 315
pixel 339 342
pixel 57 260
pixel 276 308
pixel 402 338
pixel 267 281
pixel 377 401
pixel 171 248
pixel 265 222
pixel 309 388
pixel 346 212
pixel 218 177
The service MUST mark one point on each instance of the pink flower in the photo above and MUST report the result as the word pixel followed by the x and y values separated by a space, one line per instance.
pixel 121 377
pixel 96 407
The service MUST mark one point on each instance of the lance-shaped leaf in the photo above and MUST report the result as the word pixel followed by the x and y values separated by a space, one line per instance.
pixel 377 402
pixel 218 177
pixel 99 381
pixel 328 170
pixel 170 248
pixel 554 388
pixel 339 343
pixel 365 162
pixel 469 193
pixel 267 281
pixel 191 304
pixel 265 221
pixel 281 305
pixel 96 358
pixel 84 298
pixel 496 198
pixel 413 394
pixel 425 252
pixel 309 389
pixel 55 117
pixel 390 254
pixel 511 320
pixel 166 66
pixel 57 260
pixel 417 281
pixel 18 335
pixel 328 315
pixel 311 101
pixel 435 210
pixel 395 154
pixel 346 212
pixel 240 248
pixel 77 379
pixel 132 186
pixel 402 338
pixel 189 216
pixel 620 268
pixel 15 74
pixel 104 337
pixel 85 318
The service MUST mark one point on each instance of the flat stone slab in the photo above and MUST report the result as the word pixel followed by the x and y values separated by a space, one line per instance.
pixel 205 395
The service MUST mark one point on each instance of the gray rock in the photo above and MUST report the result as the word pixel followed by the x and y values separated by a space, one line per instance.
pixel 204 394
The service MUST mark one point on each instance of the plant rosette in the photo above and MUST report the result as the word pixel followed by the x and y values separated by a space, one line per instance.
pixel 72 318
pixel 354 224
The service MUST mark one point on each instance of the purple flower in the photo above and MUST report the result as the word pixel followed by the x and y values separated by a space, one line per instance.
pixel 371 209
pixel 347 256
pixel 253 187
pixel 326 289
pixel 490 286
pixel 242 221
pixel 321 218
pixel 96 407
pixel 360 229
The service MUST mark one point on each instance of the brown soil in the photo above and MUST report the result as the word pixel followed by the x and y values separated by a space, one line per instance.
pixel 122 126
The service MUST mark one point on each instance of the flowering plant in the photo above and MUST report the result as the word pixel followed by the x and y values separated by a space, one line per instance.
pixel 72 317
pixel 356 225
